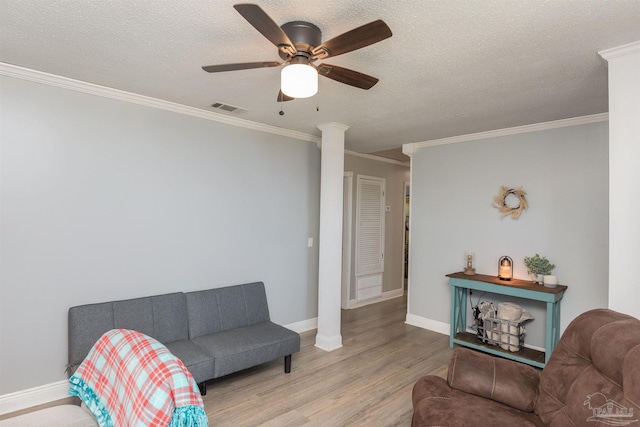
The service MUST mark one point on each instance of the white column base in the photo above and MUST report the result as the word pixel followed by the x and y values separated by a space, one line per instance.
pixel 328 343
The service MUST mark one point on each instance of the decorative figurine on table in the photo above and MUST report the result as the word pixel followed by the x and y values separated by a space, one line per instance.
pixel 469 270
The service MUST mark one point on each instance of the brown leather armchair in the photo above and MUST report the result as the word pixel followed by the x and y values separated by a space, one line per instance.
pixel 592 379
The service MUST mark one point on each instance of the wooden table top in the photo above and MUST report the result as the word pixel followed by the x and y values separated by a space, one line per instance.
pixel 514 283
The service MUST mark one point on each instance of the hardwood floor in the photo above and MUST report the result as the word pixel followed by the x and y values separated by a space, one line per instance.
pixel 367 382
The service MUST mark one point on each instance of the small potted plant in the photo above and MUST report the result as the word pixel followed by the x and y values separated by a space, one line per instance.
pixel 539 266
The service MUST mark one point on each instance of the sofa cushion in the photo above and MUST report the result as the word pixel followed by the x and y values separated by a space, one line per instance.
pixel 221 309
pixel 232 307
pixel 437 404
pixel 255 299
pixel 204 315
pixel 170 318
pixel 135 314
pixel 248 346
pixel 199 362
pixel 163 317
pixel 87 323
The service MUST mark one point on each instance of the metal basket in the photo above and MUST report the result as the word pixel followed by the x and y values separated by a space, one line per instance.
pixel 508 334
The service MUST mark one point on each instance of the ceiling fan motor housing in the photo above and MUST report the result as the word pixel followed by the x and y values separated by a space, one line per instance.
pixel 304 35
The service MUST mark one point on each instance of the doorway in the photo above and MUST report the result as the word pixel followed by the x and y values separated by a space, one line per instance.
pixel 405 252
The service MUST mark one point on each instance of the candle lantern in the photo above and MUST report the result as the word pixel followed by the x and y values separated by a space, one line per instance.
pixel 468 268
pixel 505 268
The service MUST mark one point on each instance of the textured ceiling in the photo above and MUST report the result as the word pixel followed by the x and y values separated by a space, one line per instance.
pixel 452 67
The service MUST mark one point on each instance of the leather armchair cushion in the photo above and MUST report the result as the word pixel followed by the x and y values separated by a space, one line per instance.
pixel 501 380
pixel 437 404
pixel 597 360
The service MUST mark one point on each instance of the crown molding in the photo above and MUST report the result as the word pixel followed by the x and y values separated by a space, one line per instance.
pixel 575 121
pixel 377 158
pixel 619 51
pixel 409 149
pixel 107 92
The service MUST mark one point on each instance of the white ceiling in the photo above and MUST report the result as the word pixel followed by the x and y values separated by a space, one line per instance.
pixel 452 67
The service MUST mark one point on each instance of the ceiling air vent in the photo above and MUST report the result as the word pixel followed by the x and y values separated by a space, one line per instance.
pixel 227 107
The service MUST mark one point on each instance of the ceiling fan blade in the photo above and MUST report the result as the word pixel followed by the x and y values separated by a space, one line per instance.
pixel 346 76
pixel 283 98
pixel 240 66
pixel 357 38
pixel 265 25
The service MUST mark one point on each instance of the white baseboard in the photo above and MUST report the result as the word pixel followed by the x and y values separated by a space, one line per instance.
pixel 534 347
pixel 424 323
pixel 34 396
pixel 385 296
pixel 303 326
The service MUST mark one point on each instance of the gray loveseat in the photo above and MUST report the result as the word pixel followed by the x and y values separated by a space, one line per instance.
pixel 214 332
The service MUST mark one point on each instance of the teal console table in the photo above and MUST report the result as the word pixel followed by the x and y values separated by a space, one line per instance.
pixel 461 283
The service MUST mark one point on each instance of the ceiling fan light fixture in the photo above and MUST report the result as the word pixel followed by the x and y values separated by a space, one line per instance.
pixel 299 80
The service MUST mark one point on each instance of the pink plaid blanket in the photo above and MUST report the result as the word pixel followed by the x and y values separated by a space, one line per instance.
pixel 130 379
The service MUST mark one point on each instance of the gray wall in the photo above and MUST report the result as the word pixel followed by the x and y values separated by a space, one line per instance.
pixel 395 175
pixel 103 200
pixel 565 173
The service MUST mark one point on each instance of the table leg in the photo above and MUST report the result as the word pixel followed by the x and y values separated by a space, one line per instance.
pixel 458 312
pixel 553 328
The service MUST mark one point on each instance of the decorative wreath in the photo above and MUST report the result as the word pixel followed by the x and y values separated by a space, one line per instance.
pixel 506 209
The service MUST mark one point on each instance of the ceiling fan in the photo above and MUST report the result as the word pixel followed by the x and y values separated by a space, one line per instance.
pixel 299 45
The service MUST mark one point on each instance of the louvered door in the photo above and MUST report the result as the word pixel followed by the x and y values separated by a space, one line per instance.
pixel 369 236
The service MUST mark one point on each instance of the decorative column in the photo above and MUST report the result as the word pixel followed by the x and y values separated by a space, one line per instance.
pixel 624 176
pixel 330 245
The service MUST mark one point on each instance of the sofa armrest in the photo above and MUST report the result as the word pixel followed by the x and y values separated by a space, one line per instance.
pixel 502 380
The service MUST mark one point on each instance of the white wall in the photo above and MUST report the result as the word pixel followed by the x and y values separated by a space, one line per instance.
pixel 565 173
pixel 103 199
pixel 396 175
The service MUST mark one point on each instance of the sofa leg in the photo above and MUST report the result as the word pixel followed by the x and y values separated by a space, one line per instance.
pixel 203 388
pixel 287 364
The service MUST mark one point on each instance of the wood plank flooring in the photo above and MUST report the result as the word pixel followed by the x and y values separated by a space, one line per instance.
pixel 367 382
